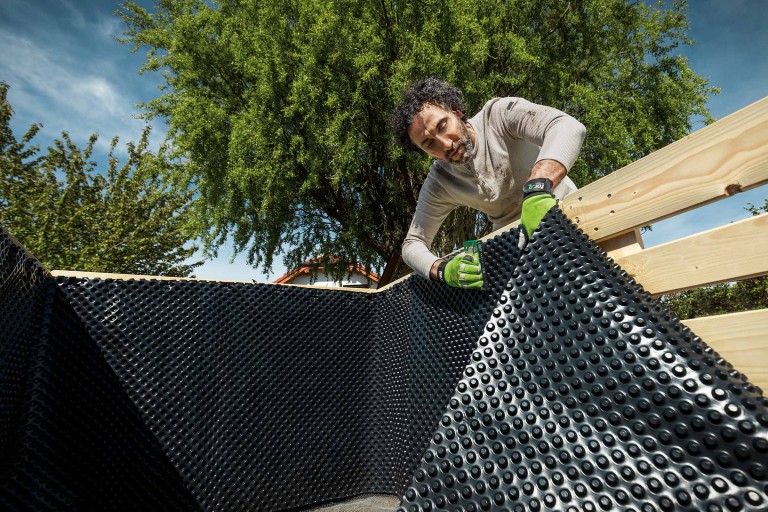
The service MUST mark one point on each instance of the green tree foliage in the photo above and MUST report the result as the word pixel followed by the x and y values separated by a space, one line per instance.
pixel 722 298
pixel 281 107
pixel 129 219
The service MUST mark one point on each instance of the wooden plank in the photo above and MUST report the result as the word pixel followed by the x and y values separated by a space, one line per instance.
pixel 719 160
pixel 623 245
pixel 741 339
pixel 728 253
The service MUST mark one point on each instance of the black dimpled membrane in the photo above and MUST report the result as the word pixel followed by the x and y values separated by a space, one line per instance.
pixel 272 397
pixel 583 394
pixel 70 438
pixel 560 384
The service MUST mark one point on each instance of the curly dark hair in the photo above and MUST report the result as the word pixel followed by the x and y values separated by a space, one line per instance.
pixel 428 90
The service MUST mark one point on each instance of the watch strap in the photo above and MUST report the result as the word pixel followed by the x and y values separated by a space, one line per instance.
pixel 537 186
pixel 441 270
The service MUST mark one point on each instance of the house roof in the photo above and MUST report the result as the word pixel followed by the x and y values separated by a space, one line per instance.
pixel 314 263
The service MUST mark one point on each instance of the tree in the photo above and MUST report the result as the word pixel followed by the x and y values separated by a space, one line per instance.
pixel 128 219
pixel 281 108
pixel 722 298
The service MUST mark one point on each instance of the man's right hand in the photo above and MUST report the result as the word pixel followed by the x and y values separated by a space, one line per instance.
pixel 463 271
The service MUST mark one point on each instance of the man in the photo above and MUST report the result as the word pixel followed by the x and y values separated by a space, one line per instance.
pixel 512 157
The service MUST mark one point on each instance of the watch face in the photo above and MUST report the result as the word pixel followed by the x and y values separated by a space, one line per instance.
pixel 537 185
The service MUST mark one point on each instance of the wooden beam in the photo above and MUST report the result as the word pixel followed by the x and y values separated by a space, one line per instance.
pixel 729 253
pixel 623 245
pixel 741 339
pixel 719 160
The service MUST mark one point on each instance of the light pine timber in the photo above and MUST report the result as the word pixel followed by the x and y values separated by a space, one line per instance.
pixel 741 339
pixel 623 245
pixel 729 253
pixel 724 158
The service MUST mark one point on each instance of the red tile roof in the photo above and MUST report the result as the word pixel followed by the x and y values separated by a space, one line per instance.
pixel 311 264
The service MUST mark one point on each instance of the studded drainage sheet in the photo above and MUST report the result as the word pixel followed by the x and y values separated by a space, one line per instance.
pixel 560 386
pixel 582 394
pixel 70 437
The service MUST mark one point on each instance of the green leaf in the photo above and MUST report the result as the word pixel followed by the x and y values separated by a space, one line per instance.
pixel 129 218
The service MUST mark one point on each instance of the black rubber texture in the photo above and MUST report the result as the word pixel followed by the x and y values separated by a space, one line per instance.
pixel 279 397
pixel 70 438
pixel 261 397
pixel 582 394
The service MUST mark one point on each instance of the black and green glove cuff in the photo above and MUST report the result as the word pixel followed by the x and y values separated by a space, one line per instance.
pixel 441 271
pixel 537 201
pixel 537 186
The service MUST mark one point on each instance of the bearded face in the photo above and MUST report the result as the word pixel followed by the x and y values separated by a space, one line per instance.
pixel 463 148
pixel 442 134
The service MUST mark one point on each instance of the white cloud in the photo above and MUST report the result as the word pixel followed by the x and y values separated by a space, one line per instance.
pixel 96 93
pixel 109 27
pixel 81 18
pixel 76 16
pixel 50 89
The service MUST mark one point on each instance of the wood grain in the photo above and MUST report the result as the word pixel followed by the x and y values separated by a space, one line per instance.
pixel 741 339
pixel 717 161
pixel 728 253
pixel 622 245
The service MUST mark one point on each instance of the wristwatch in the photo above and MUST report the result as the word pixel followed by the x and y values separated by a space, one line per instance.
pixel 441 270
pixel 537 186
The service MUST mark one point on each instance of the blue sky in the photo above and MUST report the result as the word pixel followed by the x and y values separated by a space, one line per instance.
pixel 67 73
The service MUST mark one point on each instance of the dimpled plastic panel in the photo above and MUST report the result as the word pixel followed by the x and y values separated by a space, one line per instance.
pixel 268 397
pixel 444 326
pixel 280 397
pixel 259 394
pixel 582 394
pixel 70 439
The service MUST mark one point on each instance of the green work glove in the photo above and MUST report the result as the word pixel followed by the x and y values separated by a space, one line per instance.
pixel 537 201
pixel 463 271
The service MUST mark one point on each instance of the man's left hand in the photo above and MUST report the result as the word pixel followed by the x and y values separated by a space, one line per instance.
pixel 538 201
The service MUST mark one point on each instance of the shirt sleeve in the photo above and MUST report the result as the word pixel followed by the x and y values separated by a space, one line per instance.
pixel 431 210
pixel 559 135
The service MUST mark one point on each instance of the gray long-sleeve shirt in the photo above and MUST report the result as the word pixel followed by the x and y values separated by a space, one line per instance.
pixel 511 135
